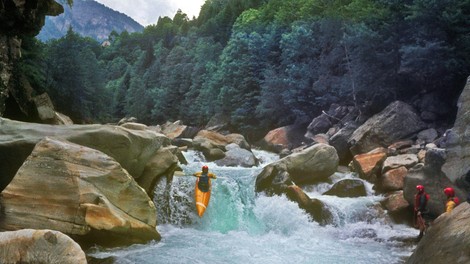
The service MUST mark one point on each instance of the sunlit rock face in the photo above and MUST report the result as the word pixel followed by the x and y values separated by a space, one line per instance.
pixel 78 191
pixel 135 150
pixel 312 165
pixel 39 246
pixel 447 240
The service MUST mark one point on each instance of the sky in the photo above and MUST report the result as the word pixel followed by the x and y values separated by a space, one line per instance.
pixel 146 12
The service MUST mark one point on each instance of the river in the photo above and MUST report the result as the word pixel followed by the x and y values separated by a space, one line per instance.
pixel 241 226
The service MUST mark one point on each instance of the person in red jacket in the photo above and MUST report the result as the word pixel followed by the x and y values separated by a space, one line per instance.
pixel 421 201
pixel 452 201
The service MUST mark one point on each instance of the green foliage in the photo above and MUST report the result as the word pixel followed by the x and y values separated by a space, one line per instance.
pixel 262 63
pixel 75 80
pixel 32 63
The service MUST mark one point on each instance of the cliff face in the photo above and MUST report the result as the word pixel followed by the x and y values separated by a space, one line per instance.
pixel 19 18
pixel 457 166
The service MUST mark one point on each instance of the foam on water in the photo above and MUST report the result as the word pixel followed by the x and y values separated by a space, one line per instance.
pixel 241 226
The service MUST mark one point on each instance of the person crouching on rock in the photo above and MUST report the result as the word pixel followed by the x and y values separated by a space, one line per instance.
pixel 452 201
pixel 420 210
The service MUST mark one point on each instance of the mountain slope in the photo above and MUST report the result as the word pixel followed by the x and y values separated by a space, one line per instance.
pixel 88 18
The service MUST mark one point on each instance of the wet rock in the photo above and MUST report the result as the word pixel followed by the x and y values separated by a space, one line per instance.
pixel 236 156
pixel 348 188
pixel 399 209
pixel 314 207
pixel 365 233
pixel 311 165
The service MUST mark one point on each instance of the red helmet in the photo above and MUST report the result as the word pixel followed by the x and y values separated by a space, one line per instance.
pixel 449 192
pixel 205 168
pixel 419 188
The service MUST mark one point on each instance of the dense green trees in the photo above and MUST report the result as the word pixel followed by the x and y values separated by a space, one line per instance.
pixel 265 63
pixel 75 80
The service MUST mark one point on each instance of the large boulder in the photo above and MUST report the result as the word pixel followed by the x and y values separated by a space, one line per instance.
pixel 395 203
pixel 133 149
pixel 397 121
pixel 287 137
pixel 393 180
pixel 315 163
pixel 39 246
pixel 178 130
pixel 447 240
pixel 236 156
pixel 319 124
pixel 433 179
pixel 213 144
pixel 457 141
pixel 314 207
pixel 404 160
pixel 164 162
pixel 276 140
pixel 398 208
pixel 369 165
pixel 348 188
pixel 46 112
pixel 78 191
pixel 218 140
pixel 311 165
pixel 340 142
pixel 219 123
pixel 337 115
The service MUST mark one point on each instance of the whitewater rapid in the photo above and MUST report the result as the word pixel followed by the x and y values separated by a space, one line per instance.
pixel 241 226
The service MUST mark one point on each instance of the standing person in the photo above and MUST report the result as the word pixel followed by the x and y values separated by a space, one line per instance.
pixel 421 201
pixel 452 201
pixel 204 175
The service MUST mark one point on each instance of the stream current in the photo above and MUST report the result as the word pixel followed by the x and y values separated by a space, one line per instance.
pixel 240 226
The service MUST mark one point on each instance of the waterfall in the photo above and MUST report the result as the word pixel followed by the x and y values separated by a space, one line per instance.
pixel 241 226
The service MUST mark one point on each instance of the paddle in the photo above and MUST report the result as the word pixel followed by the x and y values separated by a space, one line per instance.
pixel 181 173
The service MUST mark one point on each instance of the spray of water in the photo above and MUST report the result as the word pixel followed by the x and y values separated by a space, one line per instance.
pixel 241 226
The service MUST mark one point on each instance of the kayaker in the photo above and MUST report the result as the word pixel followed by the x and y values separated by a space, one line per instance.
pixel 420 210
pixel 452 201
pixel 204 176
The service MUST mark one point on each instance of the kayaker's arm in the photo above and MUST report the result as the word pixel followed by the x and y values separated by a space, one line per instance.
pixel 210 175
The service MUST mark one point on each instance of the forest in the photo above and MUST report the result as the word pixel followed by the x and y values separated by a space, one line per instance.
pixel 260 63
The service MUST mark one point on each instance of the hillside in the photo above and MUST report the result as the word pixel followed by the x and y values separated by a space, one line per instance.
pixel 88 18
